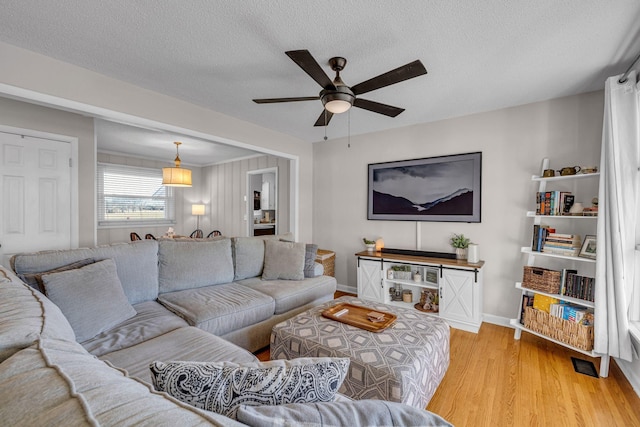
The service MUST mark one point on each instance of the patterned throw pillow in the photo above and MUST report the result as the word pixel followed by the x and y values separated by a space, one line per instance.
pixel 223 387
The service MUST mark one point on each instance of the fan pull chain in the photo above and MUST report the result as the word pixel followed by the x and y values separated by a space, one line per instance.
pixel 349 128
pixel 325 124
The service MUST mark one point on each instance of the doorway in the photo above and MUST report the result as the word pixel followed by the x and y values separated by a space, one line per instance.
pixel 262 202
pixel 38 190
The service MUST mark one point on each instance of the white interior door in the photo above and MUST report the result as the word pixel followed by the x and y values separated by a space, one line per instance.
pixel 35 195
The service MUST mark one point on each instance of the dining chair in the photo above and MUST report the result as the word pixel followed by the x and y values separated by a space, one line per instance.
pixel 134 236
pixel 214 233
pixel 197 234
pixel 149 236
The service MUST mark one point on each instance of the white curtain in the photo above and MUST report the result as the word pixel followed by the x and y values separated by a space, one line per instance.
pixel 616 273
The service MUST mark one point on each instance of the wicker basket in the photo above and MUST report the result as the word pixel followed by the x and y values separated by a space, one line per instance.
pixel 541 279
pixel 328 261
pixel 574 334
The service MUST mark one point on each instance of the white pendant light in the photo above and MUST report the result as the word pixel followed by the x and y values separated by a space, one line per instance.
pixel 176 176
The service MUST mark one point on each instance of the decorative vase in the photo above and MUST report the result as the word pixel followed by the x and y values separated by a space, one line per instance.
pixel 461 253
pixel 472 252
pixel 371 247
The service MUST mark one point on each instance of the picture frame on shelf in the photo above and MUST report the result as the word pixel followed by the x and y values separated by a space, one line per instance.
pixel 589 246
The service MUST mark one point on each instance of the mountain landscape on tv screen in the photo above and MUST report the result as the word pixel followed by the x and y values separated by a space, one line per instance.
pixel 459 202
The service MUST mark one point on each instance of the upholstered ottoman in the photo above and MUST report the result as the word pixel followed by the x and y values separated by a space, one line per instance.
pixel 404 363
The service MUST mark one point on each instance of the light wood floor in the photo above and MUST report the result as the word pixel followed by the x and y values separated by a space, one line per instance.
pixel 494 380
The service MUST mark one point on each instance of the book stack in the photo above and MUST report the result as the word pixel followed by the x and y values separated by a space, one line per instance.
pixel 577 286
pixel 554 202
pixel 562 244
pixel 539 237
pixel 572 313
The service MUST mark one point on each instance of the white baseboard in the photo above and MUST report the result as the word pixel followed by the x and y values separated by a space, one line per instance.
pixel 631 373
pixel 496 320
pixel 346 288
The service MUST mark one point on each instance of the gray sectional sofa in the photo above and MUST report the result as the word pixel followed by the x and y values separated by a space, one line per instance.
pixel 71 359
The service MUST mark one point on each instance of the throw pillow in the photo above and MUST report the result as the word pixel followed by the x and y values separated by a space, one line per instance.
pixel 222 387
pixel 311 251
pixel 354 413
pixel 310 254
pixel 91 298
pixel 35 279
pixel 283 260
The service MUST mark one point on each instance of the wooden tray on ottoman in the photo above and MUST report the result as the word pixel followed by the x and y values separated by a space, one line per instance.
pixel 358 316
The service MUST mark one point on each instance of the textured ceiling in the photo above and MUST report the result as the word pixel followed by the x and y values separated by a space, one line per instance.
pixel 480 55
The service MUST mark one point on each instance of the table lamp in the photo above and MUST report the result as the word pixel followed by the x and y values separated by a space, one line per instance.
pixel 197 210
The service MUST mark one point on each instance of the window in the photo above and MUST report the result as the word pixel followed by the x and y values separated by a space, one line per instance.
pixel 132 195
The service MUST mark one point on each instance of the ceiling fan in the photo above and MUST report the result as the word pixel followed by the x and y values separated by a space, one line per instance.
pixel 336 96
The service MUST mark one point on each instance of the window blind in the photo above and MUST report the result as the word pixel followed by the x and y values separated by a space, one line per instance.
pixel 133 195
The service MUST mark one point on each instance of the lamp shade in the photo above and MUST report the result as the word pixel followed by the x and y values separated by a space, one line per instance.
pixel 197 209
pixel 176 177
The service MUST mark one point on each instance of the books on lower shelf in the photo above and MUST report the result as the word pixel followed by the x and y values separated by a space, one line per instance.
pixel 545 239
pixel 572 313
pixel 577 286
pixel 554 307
pixel 527 301
pixel 571 284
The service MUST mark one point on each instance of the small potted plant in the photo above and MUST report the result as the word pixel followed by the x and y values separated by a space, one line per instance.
pixel 370 244
pixel 460 244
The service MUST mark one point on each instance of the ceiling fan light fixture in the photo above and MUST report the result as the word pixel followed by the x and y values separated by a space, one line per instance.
pixel 338 101
pixel 176 176
pixel 337 106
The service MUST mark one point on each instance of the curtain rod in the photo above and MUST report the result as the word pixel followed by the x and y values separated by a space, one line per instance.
pixel 623 79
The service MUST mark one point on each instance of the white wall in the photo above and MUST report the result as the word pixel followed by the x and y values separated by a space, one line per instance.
pixel 58 82
pixel 513 142
pixel 224 188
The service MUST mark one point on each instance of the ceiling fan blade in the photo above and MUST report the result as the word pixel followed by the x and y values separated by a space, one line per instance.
pixel 406 72
pixel 310 66
pixel 376 107
pixel 274 100
pixel 324 118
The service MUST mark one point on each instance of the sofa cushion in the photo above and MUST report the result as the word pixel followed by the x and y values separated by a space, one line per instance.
pixel 221 308
pixel 188 264
pixel 151 320
pixel 356 413
pixel 186 343
pixel 248 257
pixel 26 315
pixel 35 279
pixel 90 297
pixel 283 260
pixel 222 387
pixel 291 294
pixel 310 253
pixel 57 383
pixel 137 264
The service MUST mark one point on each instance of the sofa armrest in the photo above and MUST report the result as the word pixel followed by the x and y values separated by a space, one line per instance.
pixel 318 269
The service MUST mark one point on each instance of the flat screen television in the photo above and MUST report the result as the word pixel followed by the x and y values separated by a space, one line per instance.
pixel 444 189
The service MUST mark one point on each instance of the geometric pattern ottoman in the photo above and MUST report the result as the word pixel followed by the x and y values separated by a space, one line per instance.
pixel 404 363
